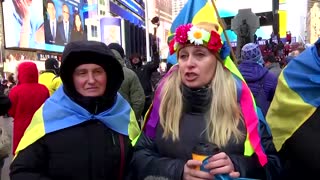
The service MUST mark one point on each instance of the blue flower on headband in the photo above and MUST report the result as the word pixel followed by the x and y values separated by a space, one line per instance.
pixel 225 50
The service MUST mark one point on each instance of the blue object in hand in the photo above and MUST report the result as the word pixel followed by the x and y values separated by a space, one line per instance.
pixel 217 176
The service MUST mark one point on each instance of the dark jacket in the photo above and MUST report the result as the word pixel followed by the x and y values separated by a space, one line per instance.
pixel 300 153
pixel 275 68
pixel 164 158
pixel 5 104
pixel 255 75
pixel 144 73
pixel 75 153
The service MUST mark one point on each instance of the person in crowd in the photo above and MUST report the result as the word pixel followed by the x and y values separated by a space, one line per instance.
pixel 85 130
pixel 157 75
pixel 294 116
pixel 26 97
pixel 77 33
pixel 271 63
pixel 49 76
pixel 119 48
pixel 131 88
pixel 144 73
pixel 3 86
pixel 51 33
pixel 64 26
pixel 24 23
pixel 5 104
pixel 201 100
pixel 261 82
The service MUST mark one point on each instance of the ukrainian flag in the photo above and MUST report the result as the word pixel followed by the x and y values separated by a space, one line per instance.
pixel 60 112
pixel 297 96
pixel 194 11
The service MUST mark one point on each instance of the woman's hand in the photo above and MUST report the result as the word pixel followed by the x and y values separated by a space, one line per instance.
pixel 191 173
pixel 221 164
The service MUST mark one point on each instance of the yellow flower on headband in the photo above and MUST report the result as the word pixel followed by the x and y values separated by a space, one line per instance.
pixel 197 35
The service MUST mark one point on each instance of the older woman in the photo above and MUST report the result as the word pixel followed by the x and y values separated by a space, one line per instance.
pixel 85 129
pixel 203 99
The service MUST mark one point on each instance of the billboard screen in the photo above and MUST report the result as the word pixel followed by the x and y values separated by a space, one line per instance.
pixel 228 8
pixel 43 24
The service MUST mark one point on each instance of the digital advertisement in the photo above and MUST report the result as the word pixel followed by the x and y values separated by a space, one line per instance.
pixel 43 24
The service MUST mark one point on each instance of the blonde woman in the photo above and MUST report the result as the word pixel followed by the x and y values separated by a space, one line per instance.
pixel 203 99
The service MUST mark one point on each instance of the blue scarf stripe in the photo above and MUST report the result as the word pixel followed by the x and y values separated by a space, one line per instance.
pixel 60 112
pixel 302 76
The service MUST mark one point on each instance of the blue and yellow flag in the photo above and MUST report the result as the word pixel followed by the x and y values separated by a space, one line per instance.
pixel 297 96
pixel 194 11
pixel 60 112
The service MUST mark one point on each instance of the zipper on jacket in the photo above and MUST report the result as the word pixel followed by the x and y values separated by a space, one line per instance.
pixel 113 140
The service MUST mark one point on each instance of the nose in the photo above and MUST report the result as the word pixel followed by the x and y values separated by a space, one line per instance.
pixel 91 78
pixel 190 61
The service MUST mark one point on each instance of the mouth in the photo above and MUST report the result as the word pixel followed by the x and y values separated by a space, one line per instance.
pixel 190 76
pixel 91 89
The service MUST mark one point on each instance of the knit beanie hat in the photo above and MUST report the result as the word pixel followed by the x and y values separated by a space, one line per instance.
pixel 251 52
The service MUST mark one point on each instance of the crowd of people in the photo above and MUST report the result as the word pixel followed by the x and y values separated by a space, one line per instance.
pixel 93 117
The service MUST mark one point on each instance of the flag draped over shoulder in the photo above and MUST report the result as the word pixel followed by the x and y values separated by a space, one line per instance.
pixel 60 112
pixel 297 96
pixel 196 11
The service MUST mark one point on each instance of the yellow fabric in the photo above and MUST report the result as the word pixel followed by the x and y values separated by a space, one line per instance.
pixel 34 131
pixel 280 118
pixel 133 128
pixel 46 79
pixel 207 13
pixel 56 83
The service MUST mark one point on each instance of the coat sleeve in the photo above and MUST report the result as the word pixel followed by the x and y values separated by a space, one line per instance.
pixel 30 163
pixel 153 66
pixel 250 167
pixel 147 162
pixel 136 96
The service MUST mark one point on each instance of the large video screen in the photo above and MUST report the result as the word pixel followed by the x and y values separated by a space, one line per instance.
pixel 228 8
pixel 43 24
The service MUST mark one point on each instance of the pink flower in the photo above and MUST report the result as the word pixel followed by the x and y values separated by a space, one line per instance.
pixel 182 33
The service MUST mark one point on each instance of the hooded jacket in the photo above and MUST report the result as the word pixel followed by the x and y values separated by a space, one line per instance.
pixel 131 88
pixel 85 138
pixel 26 97
pixel 255 76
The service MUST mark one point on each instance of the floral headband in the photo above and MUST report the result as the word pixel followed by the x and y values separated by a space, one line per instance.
pixel 190 34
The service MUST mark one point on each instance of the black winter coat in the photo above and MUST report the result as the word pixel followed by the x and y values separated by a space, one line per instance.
pixel 88 151
pixel 301 152
pixel 165 159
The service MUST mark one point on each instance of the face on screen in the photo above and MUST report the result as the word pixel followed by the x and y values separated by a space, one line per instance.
pixel 51 10
pixel 77 21
pixel 65 13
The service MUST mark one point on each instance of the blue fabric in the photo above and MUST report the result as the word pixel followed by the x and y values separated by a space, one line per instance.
pixel 60 112
pixel 190 9
pixel 302 75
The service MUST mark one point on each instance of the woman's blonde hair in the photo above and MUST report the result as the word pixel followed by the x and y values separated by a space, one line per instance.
pixel 222 117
